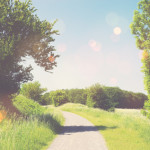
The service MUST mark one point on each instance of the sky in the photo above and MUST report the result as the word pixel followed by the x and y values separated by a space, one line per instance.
pixel 95 44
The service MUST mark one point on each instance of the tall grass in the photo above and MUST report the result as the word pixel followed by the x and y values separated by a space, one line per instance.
pixel 34 132
pixel 121 132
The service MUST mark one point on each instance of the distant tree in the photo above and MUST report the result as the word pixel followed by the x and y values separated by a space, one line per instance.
pixel 33 91
pixel 77 95
pixel 23 34
pixel 115 94
pixel 97 97
pixel 140 27
pixel 141 99
pixel 125 99
pixel 58 97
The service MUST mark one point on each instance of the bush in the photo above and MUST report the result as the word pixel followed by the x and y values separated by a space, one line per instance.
pixel 146 109
pixel 58 97
pixel 33 91
pixel 97 97
pixel 27 106
pixel 45 99
pixel 77 95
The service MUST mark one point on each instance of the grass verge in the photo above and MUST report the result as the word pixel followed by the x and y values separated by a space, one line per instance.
pixel 121 131
pixel 34 132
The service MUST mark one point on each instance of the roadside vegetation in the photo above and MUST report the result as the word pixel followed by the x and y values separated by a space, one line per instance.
pixel 24 123
pixel 97 96
pixel 122 130
pixel 34 129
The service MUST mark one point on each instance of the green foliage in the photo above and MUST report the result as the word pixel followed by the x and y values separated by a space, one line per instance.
pixel 98 98
pixel 58 97
pixel 146 110
pixel 114 93
pixel 32 133
pixel 23 34
pixel 33 91
pixel 140 27
pixel 27 106
pixel 77 95
pixel 104 97
pixel 125 99
pixel 89 101
pixel 45 99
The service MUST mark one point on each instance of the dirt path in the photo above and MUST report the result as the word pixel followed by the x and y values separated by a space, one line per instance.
pixel 78 134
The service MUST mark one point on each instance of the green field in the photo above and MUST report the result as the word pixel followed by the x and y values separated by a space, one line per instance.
pixel 123 130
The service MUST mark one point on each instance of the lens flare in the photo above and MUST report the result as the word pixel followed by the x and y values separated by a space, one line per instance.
pixel 2 115
pixel 92 43
pixel 51 59
pixel 117 31
pixel 95 45
pixel 145 55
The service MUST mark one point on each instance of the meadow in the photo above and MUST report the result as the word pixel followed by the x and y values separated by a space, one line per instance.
pixel 123 129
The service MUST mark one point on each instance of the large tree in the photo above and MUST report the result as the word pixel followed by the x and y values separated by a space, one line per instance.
pixel 23 34
pixel 140 27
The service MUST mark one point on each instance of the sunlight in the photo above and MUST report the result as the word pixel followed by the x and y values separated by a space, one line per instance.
pixel 117 30
pixel 2 115
pixel 94 45
pixel 145 55
pixel 51 59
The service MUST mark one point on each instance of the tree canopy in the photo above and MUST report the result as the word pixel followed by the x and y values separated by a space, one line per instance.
pixel 140 27
pixel 33 91
pixel 23 34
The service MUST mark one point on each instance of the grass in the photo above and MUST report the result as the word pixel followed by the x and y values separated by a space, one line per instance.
pixel 32 133
pixel 133 112
pixel 121 130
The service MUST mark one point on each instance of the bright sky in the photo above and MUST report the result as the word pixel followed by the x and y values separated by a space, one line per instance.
pixel 95 44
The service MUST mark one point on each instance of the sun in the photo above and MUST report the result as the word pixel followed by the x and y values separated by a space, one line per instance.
pixel 117 31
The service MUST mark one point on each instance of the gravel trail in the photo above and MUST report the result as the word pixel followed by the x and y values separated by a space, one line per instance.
pixel 78 134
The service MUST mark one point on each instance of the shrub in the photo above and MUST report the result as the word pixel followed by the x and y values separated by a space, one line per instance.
pixel 146 109
pixel 33 91
pixel 58 97
pixel 97 97
pixel 45 99
pixel 27 106
pixel 77 95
